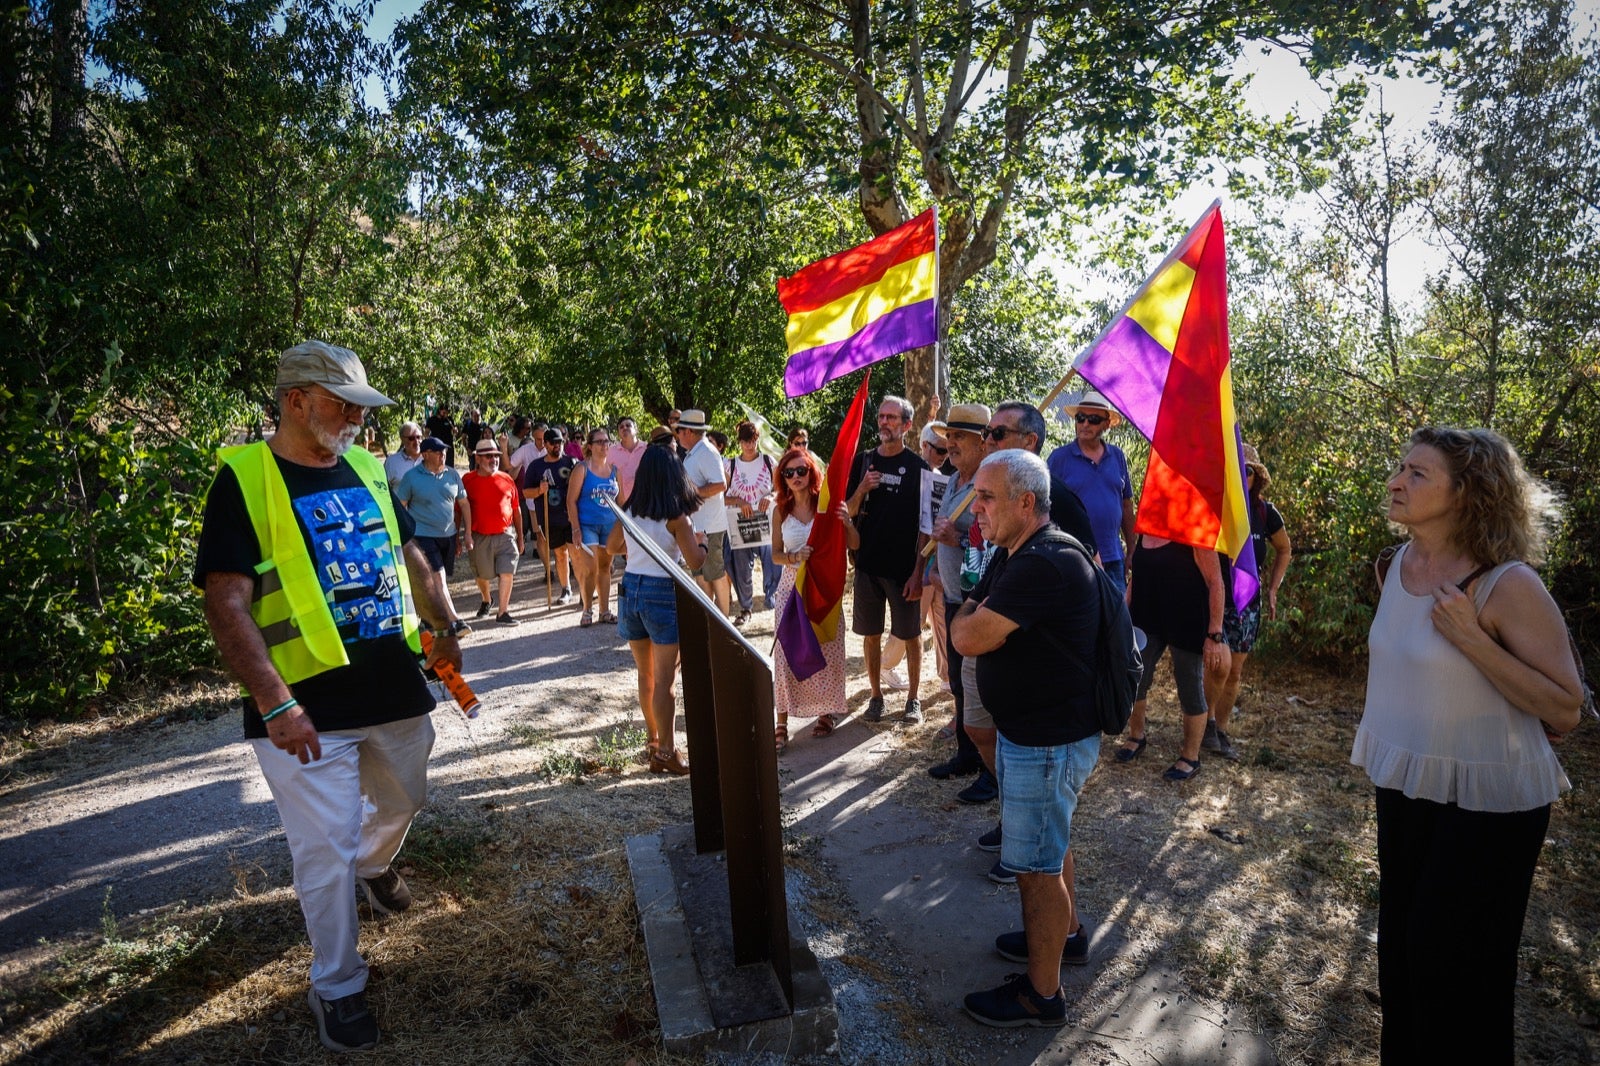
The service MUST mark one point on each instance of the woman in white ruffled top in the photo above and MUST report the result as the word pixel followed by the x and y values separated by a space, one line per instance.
pixel 1470 681
pixel 820 696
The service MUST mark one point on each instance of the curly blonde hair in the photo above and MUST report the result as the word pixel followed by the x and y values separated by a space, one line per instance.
pixel 1506 513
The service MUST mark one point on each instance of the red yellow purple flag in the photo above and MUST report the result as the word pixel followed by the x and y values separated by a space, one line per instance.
pixel 811 618
pixel 1164 363
pixel 861 305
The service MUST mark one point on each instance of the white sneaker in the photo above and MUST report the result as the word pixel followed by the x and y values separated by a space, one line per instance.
pixel 895 681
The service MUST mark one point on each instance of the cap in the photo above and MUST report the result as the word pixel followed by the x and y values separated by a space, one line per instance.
pixel 432 444
pixel 336 369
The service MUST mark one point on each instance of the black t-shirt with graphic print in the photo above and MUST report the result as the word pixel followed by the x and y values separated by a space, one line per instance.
pixel 890 513
pixel 358 568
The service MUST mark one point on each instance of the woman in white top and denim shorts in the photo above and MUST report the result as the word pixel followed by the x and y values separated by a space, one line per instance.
pixel 1470 672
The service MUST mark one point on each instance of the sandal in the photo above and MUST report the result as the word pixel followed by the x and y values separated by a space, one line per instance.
pixel 947 732
pixel 825 725
pixel 670 763
pixel 1130 754
pixel 780 735
pixel 1175 774
pixel 587 620
pixel 608 618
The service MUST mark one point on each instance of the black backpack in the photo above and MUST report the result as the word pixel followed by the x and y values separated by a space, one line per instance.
pixel 1117 664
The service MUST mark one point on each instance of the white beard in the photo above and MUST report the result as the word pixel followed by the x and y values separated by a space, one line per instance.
pixel 337 443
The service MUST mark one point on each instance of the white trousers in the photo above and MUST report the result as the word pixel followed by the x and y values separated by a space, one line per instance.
pixel 346 815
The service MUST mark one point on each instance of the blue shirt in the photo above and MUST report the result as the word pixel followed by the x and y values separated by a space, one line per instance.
pixel 1101 486
pixel 431 499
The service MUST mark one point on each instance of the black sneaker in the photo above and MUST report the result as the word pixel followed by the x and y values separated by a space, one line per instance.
pixel 958 765
pixel 483 610
pixel 1016 1003
pixel 990 841
pixel 874 709
pixel 505 619
pixel 1014 946
pixel 387 892
pixel 344 1024
pixel 460 628
pixel 1225 747
pixel 1210 741
pixel 983 790
pixel 1001 874
pixel 913 711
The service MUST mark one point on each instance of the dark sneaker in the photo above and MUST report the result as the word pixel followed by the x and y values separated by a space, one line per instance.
pixel 990 841
pixel 1001 874
pixel 958 765
pixel 387 892
pixel 874 709
pixel 1209 741
pixel 506 620
pixel 1016 1003
pixel 1225 747
pixel 913 711
pixel 460 628
pixel 344 1024
pixel 1014 946
pixel 984 789
pixel 483 610
pixel 564 597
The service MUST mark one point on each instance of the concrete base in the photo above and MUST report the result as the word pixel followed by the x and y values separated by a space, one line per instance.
pixel 704 1002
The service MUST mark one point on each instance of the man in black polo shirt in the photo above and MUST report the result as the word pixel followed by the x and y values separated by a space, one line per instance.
pixel 1034 677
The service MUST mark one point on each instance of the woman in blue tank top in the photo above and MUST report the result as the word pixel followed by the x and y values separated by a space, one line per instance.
pixel 593 482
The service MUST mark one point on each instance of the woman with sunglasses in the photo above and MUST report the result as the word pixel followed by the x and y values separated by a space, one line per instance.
pixel 822 694
pixel 593 481
pixel 750 477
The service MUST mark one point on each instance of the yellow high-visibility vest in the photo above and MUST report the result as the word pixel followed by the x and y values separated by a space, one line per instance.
pixel 290 607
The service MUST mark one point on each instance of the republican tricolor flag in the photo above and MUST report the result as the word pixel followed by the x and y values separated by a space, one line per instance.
pixel 861 305
pixel 1164 364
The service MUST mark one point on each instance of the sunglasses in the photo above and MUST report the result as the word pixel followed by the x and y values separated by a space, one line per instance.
pixel 939 450
pixel 999 432
pixel 411 437
pixel 1093 420
pixel 797 472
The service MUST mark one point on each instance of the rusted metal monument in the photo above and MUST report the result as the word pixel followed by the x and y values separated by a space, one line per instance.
pixel 729 972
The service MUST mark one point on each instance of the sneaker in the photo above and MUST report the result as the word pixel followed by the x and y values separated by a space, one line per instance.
pixel 1209 741
pixel 483 610
pixel 895 681
pixel 742 617
pixel 1016 1003
pixel 460 628
pixel 344 1024
pixel 874 709
pixel 990 841
pixel 387 892
pixel 564 598
pixel 958 765
pixel 1001 874
pixel 505 619
pixel 1014 946
pixel 984 789
pixel 913 711
pixel 1225 747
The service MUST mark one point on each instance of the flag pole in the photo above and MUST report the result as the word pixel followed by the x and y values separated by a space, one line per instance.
pixel 550 554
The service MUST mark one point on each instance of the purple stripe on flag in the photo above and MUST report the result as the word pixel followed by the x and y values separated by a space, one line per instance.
pixel 1246 568
pixel 913 326
pixel 801 648
pixel 1130 367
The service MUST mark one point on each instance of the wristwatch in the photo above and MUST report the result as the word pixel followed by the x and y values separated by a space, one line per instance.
pixel 1220 638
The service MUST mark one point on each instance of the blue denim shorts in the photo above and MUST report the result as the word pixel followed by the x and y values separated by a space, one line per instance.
pixel 649 609
pixel 1038 792
pixel 595 535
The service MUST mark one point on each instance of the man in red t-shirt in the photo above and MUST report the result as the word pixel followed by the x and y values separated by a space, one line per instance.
pixel 496 527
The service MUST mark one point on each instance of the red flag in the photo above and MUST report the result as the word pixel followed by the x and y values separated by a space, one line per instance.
pixel 823 576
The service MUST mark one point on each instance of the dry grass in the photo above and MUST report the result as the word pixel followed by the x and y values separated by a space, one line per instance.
pixel 1258 882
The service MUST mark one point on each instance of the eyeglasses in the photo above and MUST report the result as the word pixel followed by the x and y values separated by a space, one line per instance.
pixel 345 407
pixel 1093 420
pixel 999 432
pixel 797 472
pixel 410 436
pixel 601 440
pixel 939 450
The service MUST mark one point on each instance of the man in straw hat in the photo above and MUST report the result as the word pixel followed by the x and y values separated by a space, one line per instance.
pixel 308 566
pixel 1097 472
pixel 706 473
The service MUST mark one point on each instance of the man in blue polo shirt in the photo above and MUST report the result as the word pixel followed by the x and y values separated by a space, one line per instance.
pixel 1098 473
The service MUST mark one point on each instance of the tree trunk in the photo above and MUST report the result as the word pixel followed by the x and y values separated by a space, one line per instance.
pixel 69 41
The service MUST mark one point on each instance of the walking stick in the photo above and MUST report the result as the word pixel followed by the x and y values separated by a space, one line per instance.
pixel 549 552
